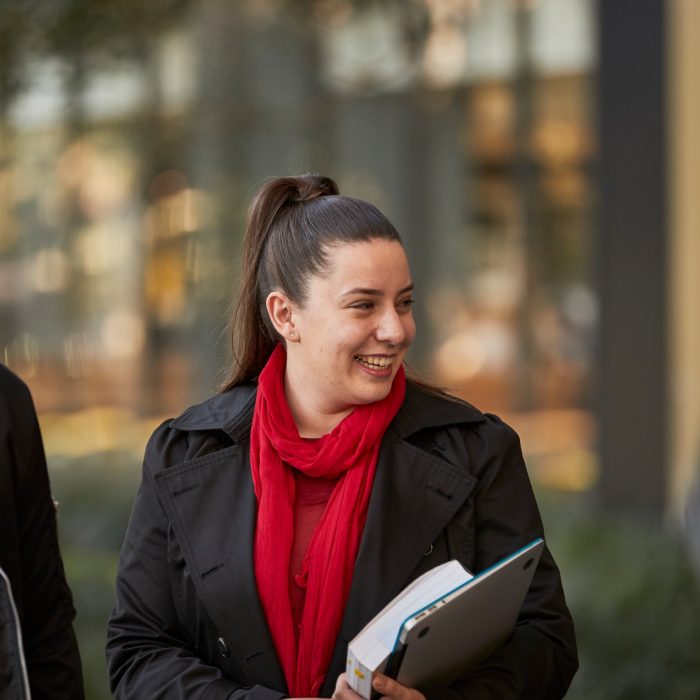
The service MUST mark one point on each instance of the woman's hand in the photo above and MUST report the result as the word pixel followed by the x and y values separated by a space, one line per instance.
pixel 389 688
pixel 385 686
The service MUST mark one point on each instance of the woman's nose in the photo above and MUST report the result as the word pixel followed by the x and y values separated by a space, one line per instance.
pixel 390 328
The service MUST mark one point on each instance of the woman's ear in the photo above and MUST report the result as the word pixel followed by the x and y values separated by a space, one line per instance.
pixel 281 312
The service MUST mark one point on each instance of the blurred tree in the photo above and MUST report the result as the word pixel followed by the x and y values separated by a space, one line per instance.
pixel 15 20
pixel 85 32
pixel 77 31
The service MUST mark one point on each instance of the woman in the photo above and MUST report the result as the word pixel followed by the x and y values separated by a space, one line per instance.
pixel 275 519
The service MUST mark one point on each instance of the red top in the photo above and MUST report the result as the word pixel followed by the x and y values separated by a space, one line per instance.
pixel 311 497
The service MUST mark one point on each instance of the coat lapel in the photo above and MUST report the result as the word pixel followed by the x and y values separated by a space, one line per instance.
pixel 415 495
pixel 212 508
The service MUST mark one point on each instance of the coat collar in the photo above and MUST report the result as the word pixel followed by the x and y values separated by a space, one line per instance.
pixel 232 412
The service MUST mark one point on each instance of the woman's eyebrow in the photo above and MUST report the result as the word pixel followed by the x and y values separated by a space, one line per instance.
pixel 374 292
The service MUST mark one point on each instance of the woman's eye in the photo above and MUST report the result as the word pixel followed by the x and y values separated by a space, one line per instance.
pixel 407 303
pixel 363 305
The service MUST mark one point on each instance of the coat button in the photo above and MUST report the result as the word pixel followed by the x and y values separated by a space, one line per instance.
pixel 223 648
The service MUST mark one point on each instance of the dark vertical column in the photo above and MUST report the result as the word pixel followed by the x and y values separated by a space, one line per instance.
pixel 632 255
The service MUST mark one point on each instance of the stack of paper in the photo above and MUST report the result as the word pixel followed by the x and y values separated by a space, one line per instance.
pixel 370 649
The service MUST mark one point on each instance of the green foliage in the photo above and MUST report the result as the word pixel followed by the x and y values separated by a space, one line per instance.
pixel 635 600
pixel 86 31
pixel 91 576
pixel 95 496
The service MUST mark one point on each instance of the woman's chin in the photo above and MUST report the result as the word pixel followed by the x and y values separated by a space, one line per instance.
pixel 373 391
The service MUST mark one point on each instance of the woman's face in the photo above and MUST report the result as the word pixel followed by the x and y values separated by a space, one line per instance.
pixel 353 329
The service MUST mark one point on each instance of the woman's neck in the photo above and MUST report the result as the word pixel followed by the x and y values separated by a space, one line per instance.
pixel 312 420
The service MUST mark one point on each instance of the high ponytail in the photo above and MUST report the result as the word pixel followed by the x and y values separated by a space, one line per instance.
pixel 290 224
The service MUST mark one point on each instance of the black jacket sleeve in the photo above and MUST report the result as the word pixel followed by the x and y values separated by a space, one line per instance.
pixel 150 653
pixel 29 550
pixel 540 659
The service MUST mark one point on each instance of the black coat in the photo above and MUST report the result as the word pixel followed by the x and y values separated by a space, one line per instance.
pixel 450 483
pixel 29 553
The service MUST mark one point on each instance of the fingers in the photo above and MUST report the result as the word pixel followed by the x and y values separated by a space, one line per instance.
pixel 342 682
pixel 343 691
pixel 385 686
pixel 389 688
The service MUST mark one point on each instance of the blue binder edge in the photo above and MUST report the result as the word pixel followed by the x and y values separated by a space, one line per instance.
pixel 470 582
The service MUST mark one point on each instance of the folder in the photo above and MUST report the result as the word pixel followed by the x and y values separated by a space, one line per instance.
pixel 443 624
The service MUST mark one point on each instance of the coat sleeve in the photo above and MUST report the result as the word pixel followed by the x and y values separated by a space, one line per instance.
pixel 149 655
pixel 540 659
pixel 39 583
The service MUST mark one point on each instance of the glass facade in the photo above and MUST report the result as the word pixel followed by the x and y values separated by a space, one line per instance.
pixel 124 185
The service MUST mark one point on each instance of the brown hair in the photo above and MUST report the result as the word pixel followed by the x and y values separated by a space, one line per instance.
pixel 291 223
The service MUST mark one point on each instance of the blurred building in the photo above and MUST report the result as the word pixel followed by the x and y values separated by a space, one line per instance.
pixel 125 176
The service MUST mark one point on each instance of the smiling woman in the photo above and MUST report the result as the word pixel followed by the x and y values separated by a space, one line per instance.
pixel 350 335
pixel 277 518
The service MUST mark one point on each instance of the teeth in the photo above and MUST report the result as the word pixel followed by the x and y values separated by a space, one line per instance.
pixel 374 362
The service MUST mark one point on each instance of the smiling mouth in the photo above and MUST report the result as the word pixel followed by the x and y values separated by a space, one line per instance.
pixel 374 362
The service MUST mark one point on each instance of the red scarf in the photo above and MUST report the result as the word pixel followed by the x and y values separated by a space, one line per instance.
pixel 350 452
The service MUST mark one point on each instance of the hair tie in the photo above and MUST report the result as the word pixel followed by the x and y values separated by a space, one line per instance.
pixel 320 188
pixel 298 199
